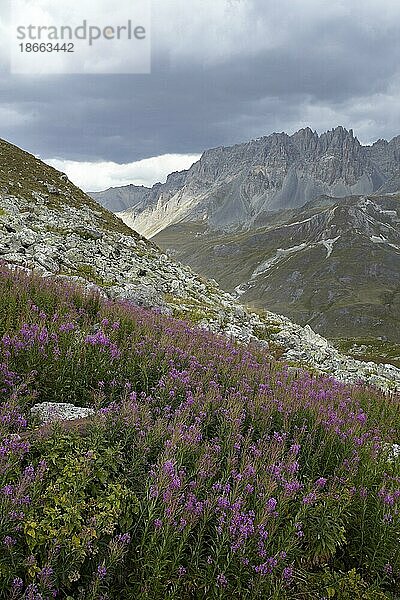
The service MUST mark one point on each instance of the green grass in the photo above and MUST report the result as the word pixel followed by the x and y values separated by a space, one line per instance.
pixel 334 296
pixel 370 350
pixel 89 273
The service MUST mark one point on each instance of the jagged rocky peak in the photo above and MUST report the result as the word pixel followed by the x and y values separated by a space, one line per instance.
pixel 338 134
pixel 280 142
pixel 306 139
pixel 276 151
pixel 380 143
pixel 233 187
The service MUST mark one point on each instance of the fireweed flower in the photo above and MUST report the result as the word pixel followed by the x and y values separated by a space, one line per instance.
pixel 9 541
pixel 7 490
pixel 287 573
pixel 46 572
pixel 388 569
pixel 387 497
pixel 101 571
pixel 292 487
pixel 213 406
pixel 17 584
pixel 98 339
pixel 65 327
pixel 267 567
pixel 222 580
pixel 262 532
pixel 321 482
pixel 123 538
pixel 299 530
pixel 29 472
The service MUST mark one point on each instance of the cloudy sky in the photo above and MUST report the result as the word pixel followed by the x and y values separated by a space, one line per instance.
pixel 223 71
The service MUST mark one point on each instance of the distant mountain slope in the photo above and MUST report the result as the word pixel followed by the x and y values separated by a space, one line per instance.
pixel 334 265
pixel 118 199
pixel 233 187
pixel 306 225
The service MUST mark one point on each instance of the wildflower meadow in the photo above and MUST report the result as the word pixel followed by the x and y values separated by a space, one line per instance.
pixel 209 469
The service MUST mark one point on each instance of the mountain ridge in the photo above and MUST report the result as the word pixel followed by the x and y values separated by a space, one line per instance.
pixel 231 187
pixel 335 265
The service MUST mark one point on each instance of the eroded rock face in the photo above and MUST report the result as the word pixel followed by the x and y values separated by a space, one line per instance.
pixel 50 412
pixel 79 240
pixel 233 186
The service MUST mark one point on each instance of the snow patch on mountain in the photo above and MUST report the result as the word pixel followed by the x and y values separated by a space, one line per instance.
pixel 329 245
pixel 280 255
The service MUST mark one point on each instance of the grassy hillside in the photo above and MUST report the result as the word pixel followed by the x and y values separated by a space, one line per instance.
pixel 208 471
pixel 24 176
pixel 379 351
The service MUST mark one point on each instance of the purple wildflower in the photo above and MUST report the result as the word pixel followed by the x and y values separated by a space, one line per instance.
pixel 17 584
pixel 321 482
pixel 311 498
pixel 388 569
pixel 123 538
pixel 287 573
pixel 101 571
pixel 222 580
pixel 9 541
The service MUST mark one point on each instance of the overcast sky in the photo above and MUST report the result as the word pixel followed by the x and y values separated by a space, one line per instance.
pixel 223 71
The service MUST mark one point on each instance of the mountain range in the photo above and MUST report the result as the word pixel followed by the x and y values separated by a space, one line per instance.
pixel 306 225
pixel 240 185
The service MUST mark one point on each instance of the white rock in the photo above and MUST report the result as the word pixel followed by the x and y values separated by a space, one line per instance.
pixel 49 412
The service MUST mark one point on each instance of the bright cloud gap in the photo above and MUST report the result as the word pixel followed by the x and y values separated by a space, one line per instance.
pixel 97 176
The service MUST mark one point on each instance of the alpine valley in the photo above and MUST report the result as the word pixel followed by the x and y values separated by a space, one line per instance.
pixel 304 225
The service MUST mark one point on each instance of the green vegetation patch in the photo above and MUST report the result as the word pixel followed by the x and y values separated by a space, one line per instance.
pixel 89 273
pixel 370 350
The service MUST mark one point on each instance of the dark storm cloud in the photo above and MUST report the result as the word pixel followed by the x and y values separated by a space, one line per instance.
pixel 220 77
